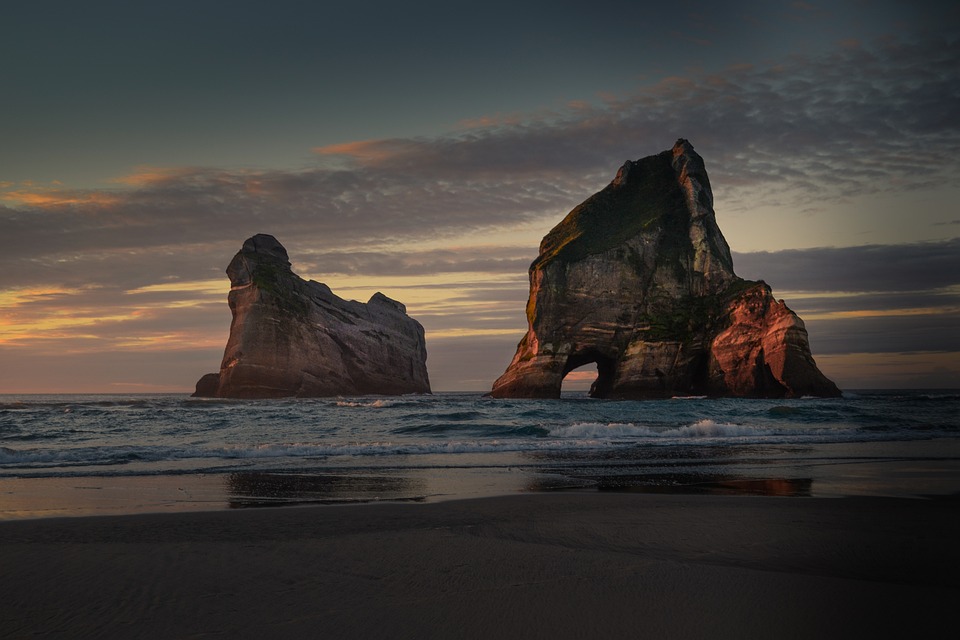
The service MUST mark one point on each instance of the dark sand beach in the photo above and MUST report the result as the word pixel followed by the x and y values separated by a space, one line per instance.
pixel 555 565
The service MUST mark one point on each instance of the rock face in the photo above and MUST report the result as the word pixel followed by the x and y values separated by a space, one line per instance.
pixel 639 280
pixel 292 337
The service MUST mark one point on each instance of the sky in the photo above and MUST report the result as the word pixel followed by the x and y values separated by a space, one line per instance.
pixel 423 149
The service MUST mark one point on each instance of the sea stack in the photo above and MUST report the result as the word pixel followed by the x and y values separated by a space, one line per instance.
pixel 292 337
pixel 639 280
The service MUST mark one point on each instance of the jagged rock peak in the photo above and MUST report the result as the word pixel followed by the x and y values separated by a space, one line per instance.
pixel 265 247
pixel 669 191
pixel 260 250
pixel 292 337
pixel 639 279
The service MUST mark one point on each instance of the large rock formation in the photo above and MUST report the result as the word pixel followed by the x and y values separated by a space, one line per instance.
pixel 291 337
pixel 639 280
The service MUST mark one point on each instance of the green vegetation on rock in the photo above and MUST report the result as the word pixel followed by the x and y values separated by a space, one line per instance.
pixel 276 280
pixel 643 198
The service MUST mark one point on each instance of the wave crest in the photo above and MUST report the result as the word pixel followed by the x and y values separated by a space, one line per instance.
pixel 700 429
pixel 373 404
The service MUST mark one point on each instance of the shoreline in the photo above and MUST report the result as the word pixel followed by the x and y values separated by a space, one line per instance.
pixel 559 565
pixel 912 469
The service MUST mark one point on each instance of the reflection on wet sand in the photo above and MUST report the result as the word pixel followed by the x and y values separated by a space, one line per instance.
pixel 684 483
pixel 678 456
pixel 262 489
pixel 723 470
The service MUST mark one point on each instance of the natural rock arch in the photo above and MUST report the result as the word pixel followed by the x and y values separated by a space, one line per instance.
pixel 606 368
pixel 639 279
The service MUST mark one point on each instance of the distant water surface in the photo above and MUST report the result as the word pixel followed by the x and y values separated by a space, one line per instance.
pixel 447 445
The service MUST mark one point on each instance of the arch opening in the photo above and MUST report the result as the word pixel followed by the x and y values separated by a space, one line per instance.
pixel 579 380
pixel 578 375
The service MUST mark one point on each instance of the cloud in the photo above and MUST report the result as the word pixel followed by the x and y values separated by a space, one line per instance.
pixel 807 131
pixel 873 304
pixel 59 198
pixel 928 332
pixel 875 268
pixel 95 320
pixel 371 152
pixel 912 370
pixel 485 259
pixel 155 176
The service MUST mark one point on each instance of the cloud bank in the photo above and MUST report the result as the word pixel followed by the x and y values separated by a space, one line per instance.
pixel 862 120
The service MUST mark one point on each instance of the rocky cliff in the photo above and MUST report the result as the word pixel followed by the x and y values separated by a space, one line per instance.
pixel 639 280
pixel 292 337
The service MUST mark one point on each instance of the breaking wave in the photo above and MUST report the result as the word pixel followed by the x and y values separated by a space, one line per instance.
pixel 701 429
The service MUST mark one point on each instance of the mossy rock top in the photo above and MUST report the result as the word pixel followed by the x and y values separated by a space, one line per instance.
pixel 644 194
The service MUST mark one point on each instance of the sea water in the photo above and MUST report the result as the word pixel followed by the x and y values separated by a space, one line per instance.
pixel 427 447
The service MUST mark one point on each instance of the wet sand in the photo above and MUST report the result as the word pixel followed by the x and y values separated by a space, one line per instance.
pixel 561 565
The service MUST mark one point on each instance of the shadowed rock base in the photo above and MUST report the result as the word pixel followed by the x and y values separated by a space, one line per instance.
pixel 639 280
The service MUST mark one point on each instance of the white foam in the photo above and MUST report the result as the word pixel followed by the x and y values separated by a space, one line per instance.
pixel 615 430
pixel 601 430
pixel 375 404
pixel 711 429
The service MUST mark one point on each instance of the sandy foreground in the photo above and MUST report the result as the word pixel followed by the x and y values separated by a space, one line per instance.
pixel 562 565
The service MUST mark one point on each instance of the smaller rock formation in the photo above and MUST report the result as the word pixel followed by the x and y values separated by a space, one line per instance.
pixel 292 337
pixel 207 386
pixel 639 280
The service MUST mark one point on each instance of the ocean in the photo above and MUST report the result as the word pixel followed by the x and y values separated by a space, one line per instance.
pixel 83 454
